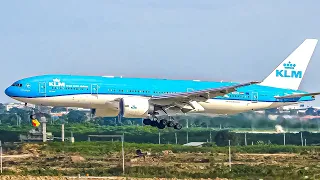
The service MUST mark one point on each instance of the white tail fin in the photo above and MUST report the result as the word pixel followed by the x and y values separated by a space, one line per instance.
pixel 289 73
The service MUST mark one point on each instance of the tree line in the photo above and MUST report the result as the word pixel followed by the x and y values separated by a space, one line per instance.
pixel 16 116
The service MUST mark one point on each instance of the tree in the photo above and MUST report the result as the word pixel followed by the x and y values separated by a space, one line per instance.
pixel 105 121
pixel 2 108
pixel 183 122
pixel 58 109
pixel 61 120
pixel 7 119
pixel 76 116
pixel 204 124
pixel 127 122
pixel 311 111
pixel 24 114
pixel 43 109
pixel 222 138
pixel 196 123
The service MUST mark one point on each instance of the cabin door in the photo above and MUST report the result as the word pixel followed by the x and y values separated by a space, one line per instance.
pixel 94 89
pixel 254 97
pixel 42 87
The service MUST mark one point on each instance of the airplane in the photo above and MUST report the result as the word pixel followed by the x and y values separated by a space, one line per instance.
pixel 155 100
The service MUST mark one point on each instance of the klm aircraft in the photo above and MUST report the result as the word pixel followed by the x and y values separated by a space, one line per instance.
pixel 156 100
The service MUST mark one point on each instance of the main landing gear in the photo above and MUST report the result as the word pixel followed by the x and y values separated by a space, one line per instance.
pixel 161 124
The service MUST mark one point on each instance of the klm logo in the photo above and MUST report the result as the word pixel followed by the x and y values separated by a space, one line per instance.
pixel 289 71
pixel 56 83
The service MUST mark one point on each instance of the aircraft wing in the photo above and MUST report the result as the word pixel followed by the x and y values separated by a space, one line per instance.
pixel 297 95
pixel 201 95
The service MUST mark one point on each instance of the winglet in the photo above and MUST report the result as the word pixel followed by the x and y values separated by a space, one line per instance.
pixel 290 72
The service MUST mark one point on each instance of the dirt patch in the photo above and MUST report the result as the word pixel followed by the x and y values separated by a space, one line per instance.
pixel 32 178
pixel 77 158
pixel 33 149
pixel 280 154
pixel 86 178
pixel 17 156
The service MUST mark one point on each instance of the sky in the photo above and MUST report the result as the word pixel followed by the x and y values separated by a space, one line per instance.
pixel 231 40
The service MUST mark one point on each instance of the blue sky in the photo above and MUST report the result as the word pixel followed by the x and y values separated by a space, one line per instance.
pixel 187 39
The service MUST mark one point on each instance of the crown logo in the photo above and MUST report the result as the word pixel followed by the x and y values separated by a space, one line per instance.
pixel 56 80
pixel 289 65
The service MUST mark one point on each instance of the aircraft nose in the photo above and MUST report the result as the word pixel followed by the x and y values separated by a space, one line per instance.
pixel 9 91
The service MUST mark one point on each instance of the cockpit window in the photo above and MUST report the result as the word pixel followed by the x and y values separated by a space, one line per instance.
pixel 17 84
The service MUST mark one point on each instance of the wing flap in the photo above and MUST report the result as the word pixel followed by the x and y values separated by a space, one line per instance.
pixel 297 95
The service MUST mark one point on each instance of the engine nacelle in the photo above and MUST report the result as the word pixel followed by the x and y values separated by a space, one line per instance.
pixel 105 112
pixel 135 107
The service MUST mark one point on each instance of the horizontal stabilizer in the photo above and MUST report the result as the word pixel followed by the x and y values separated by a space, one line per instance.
pixel 297 95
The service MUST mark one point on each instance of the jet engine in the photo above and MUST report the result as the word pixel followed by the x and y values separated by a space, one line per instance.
pixel 105 112
pixel 135 107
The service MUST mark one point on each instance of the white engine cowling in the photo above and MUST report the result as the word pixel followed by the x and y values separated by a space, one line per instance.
pixel 135 107
pixel 106 112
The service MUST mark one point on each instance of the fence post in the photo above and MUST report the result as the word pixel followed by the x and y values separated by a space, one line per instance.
pixel 122 149
pixel 245 139
pixel 175 134
pixel 1 157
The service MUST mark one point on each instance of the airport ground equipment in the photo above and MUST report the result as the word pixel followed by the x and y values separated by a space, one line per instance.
pixel 39 133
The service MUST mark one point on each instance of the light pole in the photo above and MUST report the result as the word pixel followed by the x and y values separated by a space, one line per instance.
pixel 187 123
pixel 229 155
pixel 18 119
pixel 187 131
pixel 62 132
pixel 0 157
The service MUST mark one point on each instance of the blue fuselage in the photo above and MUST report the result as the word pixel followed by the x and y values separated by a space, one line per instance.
pixel 63 85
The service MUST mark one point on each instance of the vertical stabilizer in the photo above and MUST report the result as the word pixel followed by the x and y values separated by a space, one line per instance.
pixel 290 72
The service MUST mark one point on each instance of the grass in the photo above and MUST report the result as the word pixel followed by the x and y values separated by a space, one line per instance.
pixel 102 148
pixel 103 159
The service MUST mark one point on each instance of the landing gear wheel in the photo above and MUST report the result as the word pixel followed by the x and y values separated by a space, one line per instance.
pixel 147 121
pixel 161 126
pixel 154 123
pixel 163 121
pixel 170 124
pixel 177 126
